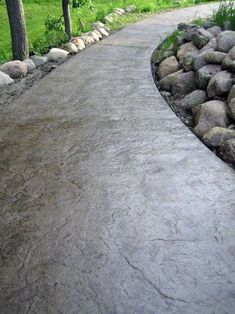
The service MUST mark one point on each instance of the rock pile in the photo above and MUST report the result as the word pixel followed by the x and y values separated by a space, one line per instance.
pixel 198 73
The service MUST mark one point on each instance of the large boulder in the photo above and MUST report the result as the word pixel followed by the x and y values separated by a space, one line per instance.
pixel 57 54
pixel 39 60
pixel 219 84
pixel 229 61
pixel 216 136
pixel 185 49
pixel 231 94
pixel 15 69
pixel 199 61
pixel 205 74
pixel 209 115
pixel 30 65
pixel 193 99
pixel 188 34
pixel 231 107
pixel 168 66
pixel 167 82
pixel 201 37
pixel 225 41
pixel 215 57
pixel 5 79
pixel 227 151
pixel 215 30
pixel 184 84
pixel 211 45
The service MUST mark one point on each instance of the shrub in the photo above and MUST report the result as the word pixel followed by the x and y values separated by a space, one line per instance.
pixel 225 13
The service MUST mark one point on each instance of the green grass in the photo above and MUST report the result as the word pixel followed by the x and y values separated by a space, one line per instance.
pixel 225 13
pixel 36 12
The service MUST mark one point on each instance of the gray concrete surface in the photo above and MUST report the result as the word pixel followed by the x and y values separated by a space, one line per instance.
pixel 108 203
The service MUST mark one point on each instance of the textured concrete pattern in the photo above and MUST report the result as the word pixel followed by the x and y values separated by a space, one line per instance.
pixel 109 204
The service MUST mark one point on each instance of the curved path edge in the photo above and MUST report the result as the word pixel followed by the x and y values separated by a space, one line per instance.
pixel 109 204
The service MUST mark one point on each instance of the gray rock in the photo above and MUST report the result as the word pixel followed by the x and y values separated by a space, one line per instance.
pixel 131 8
pixel 205 74
pixel 178 42
pixel 215 30
pixel 57 54
pixel 228 64
pixel 109 18
pixel 103 31
pixel 188 35
pixel 211 45
pixel 30 65
pixel 209 115
pixel 201 37
pixel 215 57
pixel 39 60
pixel 88 40
pixel 94 36
pixel 216 136
pixel 122 11
pixel 168 66
pixel 193 99
pixel 5 79
pixel 231 107
pixel 98 24
pixel 167 82
pixel 208 24
pixel 219 84
pixel 15 69
pixel 70 47
pixel 185 50
pixel 225 41
pixel 79 43
pixel 227 151
pixel 98 33
pixel 184 84
pixel 186 26
pixel 199 61
pixel 231 94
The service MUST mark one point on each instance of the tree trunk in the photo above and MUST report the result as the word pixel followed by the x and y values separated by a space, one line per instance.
pixel 19 38
pixel 67 19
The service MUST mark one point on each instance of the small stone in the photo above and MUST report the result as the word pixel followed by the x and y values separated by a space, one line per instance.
pixel 88 40
pixel 205 74
pixel 186 26
pixel 215 30
pixel 98 33
pixel 98 24
pixel 225 41
pixel 216 136
pixel 185 50
pixel 215 57
pixel 15 69
pixel 57 54
pixel 94 36
pixel 70 47
pixel 119 11
pixel 193 99
pixel 201 37
pixel 79 43
pixel 219 84
pixel 5 79
pixel 168 66
pixel 209 115
pixel 30 65
pixel 39 60
pixel 227 151
pixel 109 18
pixel 188 35
pixel 184 84
pixel 167 82
pixel 103 32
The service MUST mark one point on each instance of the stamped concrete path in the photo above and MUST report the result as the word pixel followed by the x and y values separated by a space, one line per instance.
pixel 108 203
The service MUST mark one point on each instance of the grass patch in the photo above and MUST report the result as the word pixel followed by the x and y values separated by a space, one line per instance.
pixel 225 13
pixel 37 11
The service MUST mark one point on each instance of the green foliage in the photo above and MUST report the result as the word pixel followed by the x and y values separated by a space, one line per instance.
pixel 45 26
pixel 225 13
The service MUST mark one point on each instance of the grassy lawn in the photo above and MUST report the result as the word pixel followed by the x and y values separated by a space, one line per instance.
pixel 37 11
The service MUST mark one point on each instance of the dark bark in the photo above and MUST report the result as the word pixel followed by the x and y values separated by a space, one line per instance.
pixel 67 19
pixel 18 29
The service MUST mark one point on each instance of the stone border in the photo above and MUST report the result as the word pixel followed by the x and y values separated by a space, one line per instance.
pixel 17 76
pixel 195 75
